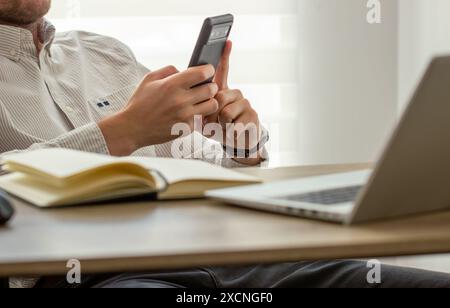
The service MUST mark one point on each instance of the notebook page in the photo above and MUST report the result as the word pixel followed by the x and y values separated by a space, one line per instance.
pixel 60 163
pixel 178 170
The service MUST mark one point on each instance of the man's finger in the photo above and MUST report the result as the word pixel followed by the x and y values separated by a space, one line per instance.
pixel 230 96
pixel 202 93
pixel 206 108
pixel 225 98
pixel 193 76
pixel 232 111
pixel 161 73
pixel 251 135
pixel 224 67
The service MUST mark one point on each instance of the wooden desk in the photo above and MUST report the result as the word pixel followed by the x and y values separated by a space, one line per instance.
pixel 169 235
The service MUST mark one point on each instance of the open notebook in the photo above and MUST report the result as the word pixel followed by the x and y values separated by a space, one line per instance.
pixel 59 177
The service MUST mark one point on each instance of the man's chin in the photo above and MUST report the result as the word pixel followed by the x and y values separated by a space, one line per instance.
pixel 24 12
pixel 19 22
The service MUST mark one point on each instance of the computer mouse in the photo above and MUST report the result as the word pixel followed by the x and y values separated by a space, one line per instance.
pixel 6 209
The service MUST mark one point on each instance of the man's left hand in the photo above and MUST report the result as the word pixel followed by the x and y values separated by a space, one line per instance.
pixel 235 109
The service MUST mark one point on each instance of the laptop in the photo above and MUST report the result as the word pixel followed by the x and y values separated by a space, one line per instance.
pixel 411 177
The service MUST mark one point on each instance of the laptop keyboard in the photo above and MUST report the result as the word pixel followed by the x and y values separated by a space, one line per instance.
pixel 328 197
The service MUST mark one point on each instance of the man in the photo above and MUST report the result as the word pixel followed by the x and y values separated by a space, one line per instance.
pixel 87 92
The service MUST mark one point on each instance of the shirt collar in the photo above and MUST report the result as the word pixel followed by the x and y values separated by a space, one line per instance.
pixel 16 42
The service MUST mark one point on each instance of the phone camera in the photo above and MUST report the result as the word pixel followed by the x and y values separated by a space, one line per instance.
pixel 219 33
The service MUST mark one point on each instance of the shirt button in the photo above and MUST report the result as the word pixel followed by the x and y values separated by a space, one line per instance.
pixel 69 109
pixel 13 52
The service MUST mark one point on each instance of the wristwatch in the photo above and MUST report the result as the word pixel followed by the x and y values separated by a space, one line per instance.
pixel 247 153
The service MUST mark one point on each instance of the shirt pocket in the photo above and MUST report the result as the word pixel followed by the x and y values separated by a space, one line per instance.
pixel 110 104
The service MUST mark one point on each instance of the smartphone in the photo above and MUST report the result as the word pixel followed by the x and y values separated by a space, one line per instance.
pixel 211 41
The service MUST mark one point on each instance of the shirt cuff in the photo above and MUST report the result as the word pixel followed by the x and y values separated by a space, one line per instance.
pixel 88 138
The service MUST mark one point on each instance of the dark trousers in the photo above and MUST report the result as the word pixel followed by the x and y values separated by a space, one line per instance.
pixel 335 274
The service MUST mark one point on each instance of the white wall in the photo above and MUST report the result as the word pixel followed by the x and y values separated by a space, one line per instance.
pixel 347 77
pixel 424 30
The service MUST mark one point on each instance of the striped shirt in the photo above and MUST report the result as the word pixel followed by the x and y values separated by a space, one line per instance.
pixel 57 97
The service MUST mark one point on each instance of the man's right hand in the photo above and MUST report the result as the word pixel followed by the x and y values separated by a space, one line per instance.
pixel 163 99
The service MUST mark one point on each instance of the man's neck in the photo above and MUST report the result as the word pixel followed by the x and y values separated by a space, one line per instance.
pixel 35 29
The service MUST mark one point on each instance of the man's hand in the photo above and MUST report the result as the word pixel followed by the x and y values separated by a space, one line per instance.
pixel 164 98
pixel 235 109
